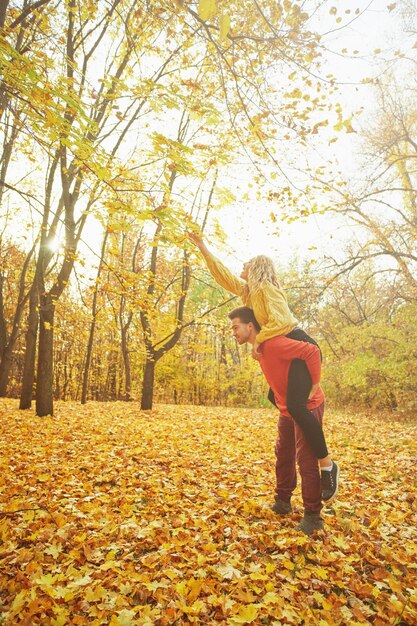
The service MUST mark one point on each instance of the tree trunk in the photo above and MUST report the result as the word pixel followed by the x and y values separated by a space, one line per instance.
pixel 6 359
pixel 111 382
pixel 223 357
pixel 67 379
pixel 3 325
pixel 88 361
pixel 93 323
pixel 30 352
pixel 5 366
pixel 148 384
pixel 7 344
pixel 126 362
pixel 3 10
pixel 44 384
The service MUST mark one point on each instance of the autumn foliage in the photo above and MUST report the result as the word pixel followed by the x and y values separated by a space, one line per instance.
pixel 115 516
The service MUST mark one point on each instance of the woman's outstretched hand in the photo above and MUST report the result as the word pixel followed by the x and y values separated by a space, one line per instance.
pixel 194 237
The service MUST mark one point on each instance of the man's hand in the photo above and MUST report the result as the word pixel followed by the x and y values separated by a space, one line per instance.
pixel 314 390
pixel 255 351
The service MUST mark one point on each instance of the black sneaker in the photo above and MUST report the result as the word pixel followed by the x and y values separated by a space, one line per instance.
pixel 330 483
pixel 281 507
pixel 310 523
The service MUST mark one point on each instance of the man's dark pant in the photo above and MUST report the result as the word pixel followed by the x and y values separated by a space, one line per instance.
pixel 292 447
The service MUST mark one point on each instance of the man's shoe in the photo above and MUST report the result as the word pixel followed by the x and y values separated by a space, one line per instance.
pixel 310 523
pixel 281 507
pixel 330 483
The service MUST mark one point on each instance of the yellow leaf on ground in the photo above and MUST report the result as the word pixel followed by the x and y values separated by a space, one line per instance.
pixel 95 594
pixel 246 615
pixel 18 603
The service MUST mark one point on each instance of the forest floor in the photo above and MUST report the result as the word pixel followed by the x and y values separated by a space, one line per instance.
pixel 110 515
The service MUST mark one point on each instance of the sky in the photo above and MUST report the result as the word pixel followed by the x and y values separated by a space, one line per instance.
pixel 377 27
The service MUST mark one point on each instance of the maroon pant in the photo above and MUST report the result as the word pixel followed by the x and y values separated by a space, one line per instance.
pixel 292 447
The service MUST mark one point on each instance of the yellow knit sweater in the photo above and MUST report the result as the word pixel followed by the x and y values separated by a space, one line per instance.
pixel 269 304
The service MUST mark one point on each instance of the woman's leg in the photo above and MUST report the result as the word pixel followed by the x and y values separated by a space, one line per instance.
pixel 299 386
pixel 298 334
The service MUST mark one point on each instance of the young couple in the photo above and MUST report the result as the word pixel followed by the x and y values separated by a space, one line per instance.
pixel 291 363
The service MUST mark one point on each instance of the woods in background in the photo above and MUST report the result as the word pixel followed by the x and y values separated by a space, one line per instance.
pixel 371 363
pixel 119 122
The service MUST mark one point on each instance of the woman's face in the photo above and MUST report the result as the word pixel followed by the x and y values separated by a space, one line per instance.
pixel 245 271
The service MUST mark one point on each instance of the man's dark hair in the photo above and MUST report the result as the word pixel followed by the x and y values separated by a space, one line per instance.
pixel 246 315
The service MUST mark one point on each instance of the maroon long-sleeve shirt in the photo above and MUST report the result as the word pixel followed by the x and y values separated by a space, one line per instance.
pixel 277 354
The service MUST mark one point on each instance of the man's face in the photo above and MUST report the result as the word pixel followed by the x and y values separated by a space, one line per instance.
pixel 240 330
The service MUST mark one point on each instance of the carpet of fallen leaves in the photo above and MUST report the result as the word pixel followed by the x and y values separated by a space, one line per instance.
pixel 110 515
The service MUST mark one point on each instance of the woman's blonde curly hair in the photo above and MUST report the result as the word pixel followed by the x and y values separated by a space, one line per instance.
pixel 261 269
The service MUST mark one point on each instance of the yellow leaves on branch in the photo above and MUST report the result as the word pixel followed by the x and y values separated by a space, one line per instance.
pixel 208 11
pixel 110 515
pixel 224 26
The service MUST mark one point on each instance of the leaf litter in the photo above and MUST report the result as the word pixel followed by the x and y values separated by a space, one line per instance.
pixel 110 515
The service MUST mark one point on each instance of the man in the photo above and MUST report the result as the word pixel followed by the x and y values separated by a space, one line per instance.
pixel 277 354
